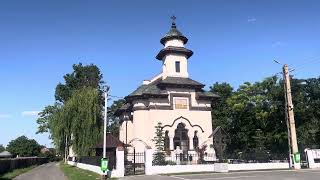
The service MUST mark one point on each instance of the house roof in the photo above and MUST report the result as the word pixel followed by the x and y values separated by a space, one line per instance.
pixel 112 142
pixel 5 154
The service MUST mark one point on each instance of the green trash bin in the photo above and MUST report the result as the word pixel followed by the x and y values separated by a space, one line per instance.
pixel 297 157
pixel 104 164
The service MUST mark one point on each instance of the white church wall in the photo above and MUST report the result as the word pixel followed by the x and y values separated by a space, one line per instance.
pixel 174 42
pixel 169 66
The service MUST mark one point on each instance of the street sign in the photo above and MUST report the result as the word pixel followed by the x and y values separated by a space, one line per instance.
pixel 104 164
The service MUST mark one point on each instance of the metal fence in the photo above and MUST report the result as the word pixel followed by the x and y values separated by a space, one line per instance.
pixel 134 163
pixel 96 160
pixel 184 159
pixel 239 158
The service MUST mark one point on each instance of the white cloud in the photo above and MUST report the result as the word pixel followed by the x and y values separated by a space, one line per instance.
pixel 279 44
pixel 251 20
pixel 30 113
pixel 5 116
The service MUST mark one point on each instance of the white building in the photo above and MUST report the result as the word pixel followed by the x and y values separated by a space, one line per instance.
pixel 172 98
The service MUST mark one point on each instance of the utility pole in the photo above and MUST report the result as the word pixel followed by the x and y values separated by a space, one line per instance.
pixel 104 159
pixel 292 136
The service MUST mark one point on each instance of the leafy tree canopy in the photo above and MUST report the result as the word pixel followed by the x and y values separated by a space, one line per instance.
pixel 82 76
pixel 254 116
pixel 24 147
pixel 2 148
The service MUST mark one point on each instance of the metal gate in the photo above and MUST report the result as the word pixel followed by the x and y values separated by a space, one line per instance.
pixel 134 163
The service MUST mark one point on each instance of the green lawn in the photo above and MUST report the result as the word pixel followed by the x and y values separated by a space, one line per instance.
pixel 15 173
pixel 74 173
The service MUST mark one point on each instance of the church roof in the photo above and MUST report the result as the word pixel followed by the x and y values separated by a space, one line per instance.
pixel 171 49
pixel 179 81
pixel 173 33
pixel 157 88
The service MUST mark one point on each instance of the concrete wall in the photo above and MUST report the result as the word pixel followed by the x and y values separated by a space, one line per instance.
pixel 150 170
pixel 257 166
pixel 118 172
pixel 313 154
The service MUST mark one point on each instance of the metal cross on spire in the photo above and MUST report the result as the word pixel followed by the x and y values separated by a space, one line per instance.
pixel 173 18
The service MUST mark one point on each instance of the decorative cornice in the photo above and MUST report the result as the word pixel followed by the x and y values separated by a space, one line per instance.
pixel 181 117
pixel 171 106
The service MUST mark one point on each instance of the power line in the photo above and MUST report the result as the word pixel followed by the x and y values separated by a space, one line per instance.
pixel 301 66
pixel 118 97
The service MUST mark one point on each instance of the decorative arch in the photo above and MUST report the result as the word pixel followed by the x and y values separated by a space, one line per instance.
pixel 139 140
pixel 181 117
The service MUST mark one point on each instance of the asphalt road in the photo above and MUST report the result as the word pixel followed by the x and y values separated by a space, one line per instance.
pixel 50 171
pixel 262 175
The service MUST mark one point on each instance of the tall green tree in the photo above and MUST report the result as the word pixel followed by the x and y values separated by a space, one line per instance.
pixel 159 156
pixel 24 147
pixel 84 110
pixel 81 91
pixel 113 119
pixel 221 111
pixel 82 76
pixel 2 148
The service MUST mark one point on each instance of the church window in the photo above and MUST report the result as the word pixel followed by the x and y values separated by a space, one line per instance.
pixel 195 140
pixel 166 141
pixel 177 66
pixel 181 138
pixel 181 103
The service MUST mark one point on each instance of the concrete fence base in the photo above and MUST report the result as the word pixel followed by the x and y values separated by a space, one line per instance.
pixel 118 172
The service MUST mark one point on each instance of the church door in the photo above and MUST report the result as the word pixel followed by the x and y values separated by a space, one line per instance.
pixel 181 138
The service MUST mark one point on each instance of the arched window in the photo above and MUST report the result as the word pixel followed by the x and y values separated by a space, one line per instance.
pixel 166 141
pixel 195 140
pixel 181 138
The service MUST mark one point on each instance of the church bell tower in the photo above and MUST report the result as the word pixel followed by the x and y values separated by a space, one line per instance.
pixel 174 55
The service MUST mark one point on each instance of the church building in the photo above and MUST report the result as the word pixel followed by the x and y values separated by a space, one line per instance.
pixel 179 103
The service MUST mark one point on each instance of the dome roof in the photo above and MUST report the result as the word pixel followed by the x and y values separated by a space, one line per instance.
pixel 173 33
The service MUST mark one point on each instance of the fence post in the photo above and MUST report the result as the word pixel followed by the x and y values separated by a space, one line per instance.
pixel 148 161
pixel 120 161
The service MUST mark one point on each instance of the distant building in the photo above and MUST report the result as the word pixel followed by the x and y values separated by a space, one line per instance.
pixel 5 154
pixel 172 98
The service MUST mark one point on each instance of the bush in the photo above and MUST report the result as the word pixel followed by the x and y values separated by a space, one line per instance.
pixel 171 163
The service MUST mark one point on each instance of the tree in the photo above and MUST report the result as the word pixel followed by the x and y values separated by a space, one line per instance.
pixel 85 114
pixel 44 118
pixel 82 76
pixel 2 148
pixel 113 119
pixel 24 147
pixel 220 109
pixel 159 156
pixel 79 97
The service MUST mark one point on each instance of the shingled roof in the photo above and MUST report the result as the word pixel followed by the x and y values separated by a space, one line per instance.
pixel 157 88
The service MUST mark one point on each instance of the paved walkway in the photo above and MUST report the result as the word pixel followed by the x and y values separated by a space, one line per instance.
pixel 258 175
pixel 50 171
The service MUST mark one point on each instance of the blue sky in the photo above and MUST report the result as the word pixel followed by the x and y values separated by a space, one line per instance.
pixel 233 41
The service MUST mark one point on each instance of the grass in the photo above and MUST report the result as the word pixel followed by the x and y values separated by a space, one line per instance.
pixel 74 173
pixel 15 173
